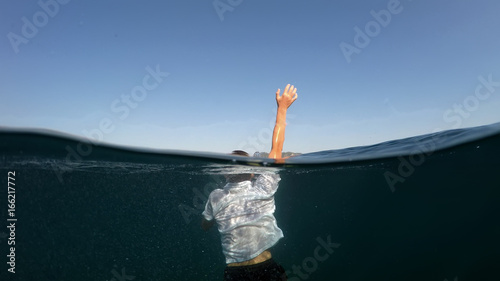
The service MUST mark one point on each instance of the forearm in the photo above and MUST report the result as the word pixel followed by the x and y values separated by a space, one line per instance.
pixel 278 133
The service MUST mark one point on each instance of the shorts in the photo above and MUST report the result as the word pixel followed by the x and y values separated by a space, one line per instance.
pixel 265 271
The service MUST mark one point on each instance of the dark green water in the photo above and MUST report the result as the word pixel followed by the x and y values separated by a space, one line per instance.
pixel 87 212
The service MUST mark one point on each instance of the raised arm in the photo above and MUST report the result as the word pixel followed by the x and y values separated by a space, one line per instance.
pixel 284 101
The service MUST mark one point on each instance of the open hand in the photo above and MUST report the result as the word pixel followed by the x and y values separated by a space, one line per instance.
pixel 288 97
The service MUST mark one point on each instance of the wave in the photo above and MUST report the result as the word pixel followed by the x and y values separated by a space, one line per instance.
pixel 74 152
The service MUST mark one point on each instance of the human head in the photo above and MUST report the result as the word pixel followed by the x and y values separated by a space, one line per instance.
pixel 240 153
pixel 239 177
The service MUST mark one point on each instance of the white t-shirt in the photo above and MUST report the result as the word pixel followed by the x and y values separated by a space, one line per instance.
pixel 244 215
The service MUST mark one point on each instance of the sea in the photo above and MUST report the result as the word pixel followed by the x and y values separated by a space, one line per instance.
pixel 423 208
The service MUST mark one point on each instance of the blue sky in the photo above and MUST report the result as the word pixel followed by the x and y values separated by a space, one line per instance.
pixel 410 68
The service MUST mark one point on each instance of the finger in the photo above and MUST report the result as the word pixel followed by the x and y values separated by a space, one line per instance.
pixel 286 89
pixel 294 95
pixel 278 94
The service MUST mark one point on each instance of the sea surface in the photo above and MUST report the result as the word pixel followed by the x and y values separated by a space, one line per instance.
pixel 425 208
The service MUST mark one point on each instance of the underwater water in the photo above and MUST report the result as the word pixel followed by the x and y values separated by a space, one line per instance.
pixel 422 208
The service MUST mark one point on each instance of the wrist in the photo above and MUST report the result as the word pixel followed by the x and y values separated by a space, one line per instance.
pixel 282 109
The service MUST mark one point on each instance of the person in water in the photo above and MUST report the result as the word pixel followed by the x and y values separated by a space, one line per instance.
pixel 244 212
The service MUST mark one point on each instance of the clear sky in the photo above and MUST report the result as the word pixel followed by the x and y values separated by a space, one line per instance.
pixel 202 75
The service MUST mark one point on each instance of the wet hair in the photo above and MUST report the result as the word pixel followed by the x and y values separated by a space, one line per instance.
pixel 240 153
